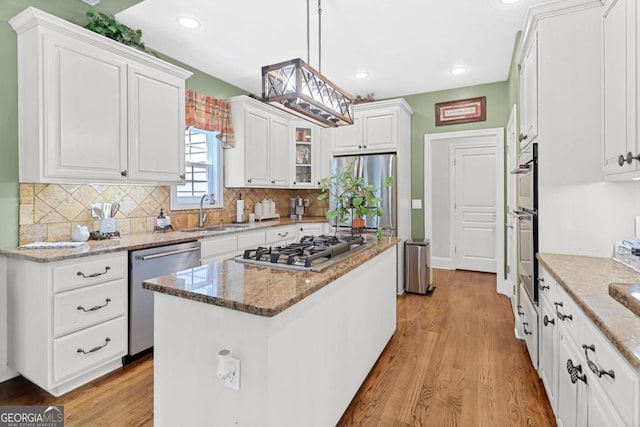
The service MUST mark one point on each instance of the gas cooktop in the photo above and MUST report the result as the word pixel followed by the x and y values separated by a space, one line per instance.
pixel 311 253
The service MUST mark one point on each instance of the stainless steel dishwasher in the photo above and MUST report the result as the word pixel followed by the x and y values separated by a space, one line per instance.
pixel 146 264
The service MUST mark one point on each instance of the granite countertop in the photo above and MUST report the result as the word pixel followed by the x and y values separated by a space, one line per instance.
pixel 263 291
pixel 587 280
pixel 140 241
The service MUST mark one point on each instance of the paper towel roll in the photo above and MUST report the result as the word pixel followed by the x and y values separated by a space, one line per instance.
pixel 240 211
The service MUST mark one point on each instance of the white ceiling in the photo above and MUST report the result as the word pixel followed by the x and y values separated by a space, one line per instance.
pixel 406 46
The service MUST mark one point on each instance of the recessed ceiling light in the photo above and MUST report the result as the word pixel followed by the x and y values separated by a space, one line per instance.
pixel 458 70
pixel 508 1
pixel 361 75
pixel 188 22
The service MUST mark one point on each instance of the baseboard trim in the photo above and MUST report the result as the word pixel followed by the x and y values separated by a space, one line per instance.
pixel 6 373
pixel 441 263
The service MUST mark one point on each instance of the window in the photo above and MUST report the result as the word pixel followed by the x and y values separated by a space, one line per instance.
pixel 203 171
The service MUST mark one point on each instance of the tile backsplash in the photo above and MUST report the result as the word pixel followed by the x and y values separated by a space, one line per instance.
pixel 48 212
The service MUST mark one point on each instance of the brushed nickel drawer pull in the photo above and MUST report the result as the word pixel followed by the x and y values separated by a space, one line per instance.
pixel 97 307
pixel 92 275
pixel 592 365
pixel 107 340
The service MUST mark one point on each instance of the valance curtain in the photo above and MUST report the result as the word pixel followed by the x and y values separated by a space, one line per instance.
pixel 209 114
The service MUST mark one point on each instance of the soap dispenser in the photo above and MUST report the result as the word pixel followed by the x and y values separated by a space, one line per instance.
pixel 161 220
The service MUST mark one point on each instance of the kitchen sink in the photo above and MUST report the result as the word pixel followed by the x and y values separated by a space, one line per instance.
pixel 215 228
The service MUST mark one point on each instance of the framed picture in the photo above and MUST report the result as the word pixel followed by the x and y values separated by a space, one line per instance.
pixel 461 111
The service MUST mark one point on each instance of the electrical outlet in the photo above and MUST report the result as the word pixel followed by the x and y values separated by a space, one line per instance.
pixel 416 204
pixel 233 381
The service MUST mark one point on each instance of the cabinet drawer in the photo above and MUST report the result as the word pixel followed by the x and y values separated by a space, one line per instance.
pixel 621 390
pixel 218 245
pixel 250 240
pixel 547 286
pixel 569 315
pixel 102 343
pixel 280 234
pixel 89 271
pixel 80 308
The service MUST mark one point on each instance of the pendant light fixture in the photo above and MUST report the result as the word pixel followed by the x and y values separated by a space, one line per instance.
pixel 296 87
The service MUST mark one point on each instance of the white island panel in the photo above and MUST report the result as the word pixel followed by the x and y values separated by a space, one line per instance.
pixel 300 367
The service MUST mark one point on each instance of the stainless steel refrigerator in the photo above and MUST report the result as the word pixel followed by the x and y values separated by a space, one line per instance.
pixel 375 169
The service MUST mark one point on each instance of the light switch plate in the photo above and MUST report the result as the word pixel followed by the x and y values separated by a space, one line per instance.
pixel 416 204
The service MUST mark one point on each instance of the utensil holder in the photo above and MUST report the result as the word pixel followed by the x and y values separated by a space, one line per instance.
pixel 107 225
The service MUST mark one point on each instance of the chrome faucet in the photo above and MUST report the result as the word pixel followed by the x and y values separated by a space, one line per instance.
pixel 203 215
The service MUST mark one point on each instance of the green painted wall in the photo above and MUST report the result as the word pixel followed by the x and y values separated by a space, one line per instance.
pixel 74 11
pixel 423 122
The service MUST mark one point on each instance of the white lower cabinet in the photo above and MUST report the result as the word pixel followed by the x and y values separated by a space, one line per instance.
pixel 587 380
pixel 281 235
pixel 213 249
pixel 572 384
pixel 548 351
pixel 68 319
pixel 218 248
pixel 312 229
pixel 528 318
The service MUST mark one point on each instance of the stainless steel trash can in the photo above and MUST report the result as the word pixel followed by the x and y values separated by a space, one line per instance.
pixel 417 272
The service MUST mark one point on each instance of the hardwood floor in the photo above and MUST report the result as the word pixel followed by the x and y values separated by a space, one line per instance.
pixel 453 361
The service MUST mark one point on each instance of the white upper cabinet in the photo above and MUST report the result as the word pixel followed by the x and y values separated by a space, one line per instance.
pixel 94 110
pixel 376 128
pixel 620 44
pixel 156 125
pixel 261 157
pixel 529 92
pixel 306 155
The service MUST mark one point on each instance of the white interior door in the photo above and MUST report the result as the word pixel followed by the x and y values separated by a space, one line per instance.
pixel 475 208
pixel 512 235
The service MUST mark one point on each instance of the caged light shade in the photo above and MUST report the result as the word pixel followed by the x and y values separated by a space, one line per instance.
pixel 297 88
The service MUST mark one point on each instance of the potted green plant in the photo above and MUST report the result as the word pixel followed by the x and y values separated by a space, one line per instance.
pixel 108 26
pixel 352 196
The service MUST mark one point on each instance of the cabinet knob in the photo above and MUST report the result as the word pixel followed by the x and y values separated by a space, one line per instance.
pixel 249 180
pixel 522 137
pixel 524 327
pixel 123 173
pixel 364 146
pixel 547 321
pixel 181 176
pixel 628 159
pixel 273 181
pixel 295 182
pixel 543 287
pixel 359 147
pixel 573 372
pixel 520 312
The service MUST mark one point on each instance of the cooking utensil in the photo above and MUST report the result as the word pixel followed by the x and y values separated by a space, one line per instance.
pixel 106 210
pixel 114 209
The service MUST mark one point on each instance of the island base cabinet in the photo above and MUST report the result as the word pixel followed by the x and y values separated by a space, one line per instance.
pixel 300 367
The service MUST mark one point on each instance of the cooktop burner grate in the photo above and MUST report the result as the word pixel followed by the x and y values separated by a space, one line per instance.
pixel 303 254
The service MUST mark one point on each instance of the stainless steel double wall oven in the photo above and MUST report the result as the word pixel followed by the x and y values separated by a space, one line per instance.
pixel 527 215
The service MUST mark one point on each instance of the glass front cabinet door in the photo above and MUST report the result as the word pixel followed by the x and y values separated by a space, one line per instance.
pixel 304 155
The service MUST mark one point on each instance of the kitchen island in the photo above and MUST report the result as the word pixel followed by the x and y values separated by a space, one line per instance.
pixel 305 340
